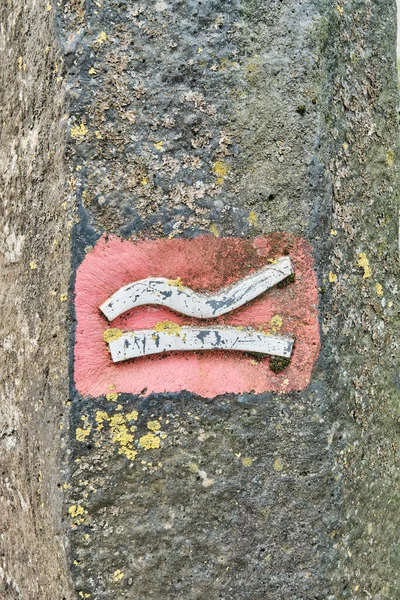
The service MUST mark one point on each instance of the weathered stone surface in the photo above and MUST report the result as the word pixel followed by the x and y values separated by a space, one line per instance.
pixel 34 272
pixel 227 119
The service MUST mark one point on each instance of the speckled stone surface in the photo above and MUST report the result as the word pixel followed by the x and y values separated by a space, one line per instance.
pixel 195 118
pixel 221 119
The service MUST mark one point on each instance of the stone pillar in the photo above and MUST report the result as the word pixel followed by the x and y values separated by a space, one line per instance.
pixel 194 145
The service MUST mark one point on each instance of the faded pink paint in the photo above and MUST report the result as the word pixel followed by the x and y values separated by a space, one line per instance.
pixel 203 263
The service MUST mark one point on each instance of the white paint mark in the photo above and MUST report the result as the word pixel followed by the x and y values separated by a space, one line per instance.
pixel 184 300
pixel 134 344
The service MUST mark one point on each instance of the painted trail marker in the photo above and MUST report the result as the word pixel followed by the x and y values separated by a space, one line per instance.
pixel 184 300
pixel 180 298
pixel 190 313
pixel 134 344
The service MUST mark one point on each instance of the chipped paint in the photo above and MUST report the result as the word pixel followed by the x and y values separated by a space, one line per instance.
pixel 183 299
pixel 175 338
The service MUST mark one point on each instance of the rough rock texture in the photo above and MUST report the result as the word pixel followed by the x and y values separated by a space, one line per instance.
pixel 361 309
pixel 34 273
pixel 190 118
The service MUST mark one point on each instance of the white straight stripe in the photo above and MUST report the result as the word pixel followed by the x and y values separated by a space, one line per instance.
pixel 134 344
pixel 184 300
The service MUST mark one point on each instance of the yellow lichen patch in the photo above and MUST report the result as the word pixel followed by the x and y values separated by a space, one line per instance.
pixel 100 418
pixel 117 420
pixel 220 170
pixel 132 416
pixel 158 145
pixel 214 230
pixel 334 232
pixel 20 61
pixel 76 510
pixel 168 327
pixel 63 297
pixel 252 68
pixel 275 323
pixel 247 461
pixel 150 441
pixel 278 466
pixel 118 575
pixel 193 468
pixel 79 132
pixel 340 9
pixel 252 218
pixel 379 289
pixel 121 435
pixel 364 264
pixel 102 37
pixel 390 157
pixel 82 434
pixel 33 264
pixel 128 452
pixel 112 396
pixel 48 7
pixel 144 181
pixel 332 277
pixel 112 334
pixel 92 71
pixel 176 283
pixel 154 425
pixel 84 595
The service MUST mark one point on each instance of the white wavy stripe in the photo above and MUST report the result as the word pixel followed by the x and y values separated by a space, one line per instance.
pixel 144 342
pixel 184 300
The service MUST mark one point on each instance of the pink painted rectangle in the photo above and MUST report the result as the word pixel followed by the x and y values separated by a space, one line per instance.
pixel 204 264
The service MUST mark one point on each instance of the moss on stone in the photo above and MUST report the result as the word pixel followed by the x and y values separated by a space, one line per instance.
pixel 287 281
pixel 278 363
